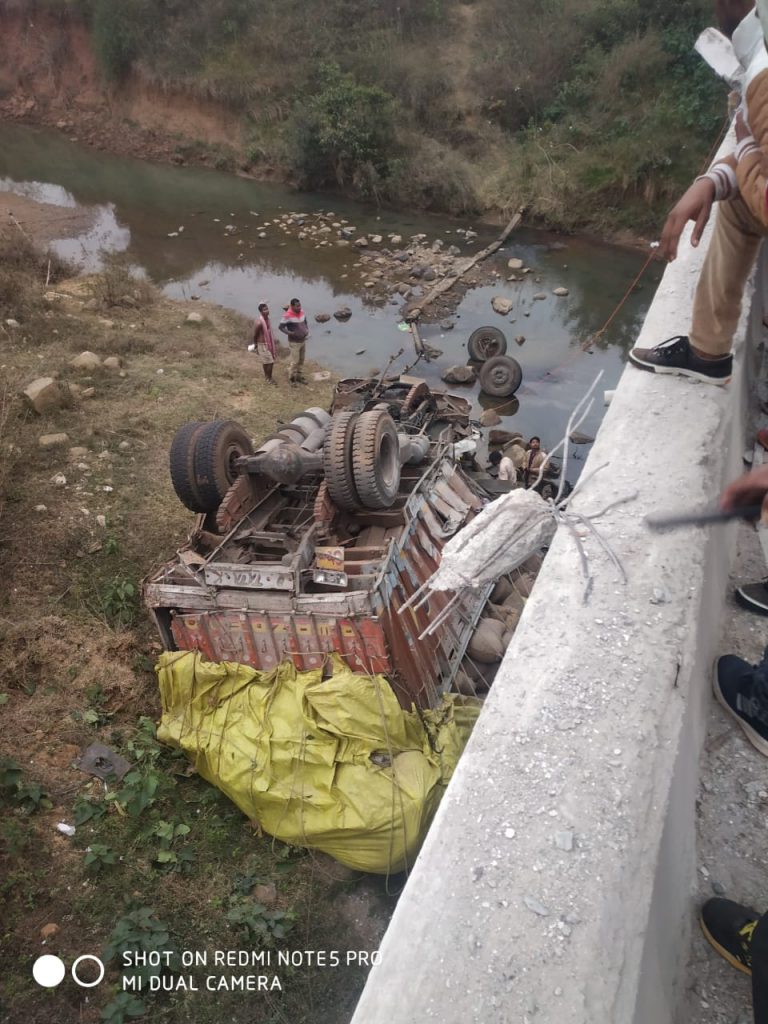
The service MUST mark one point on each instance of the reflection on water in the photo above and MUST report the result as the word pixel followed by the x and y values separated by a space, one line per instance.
pixel 171 221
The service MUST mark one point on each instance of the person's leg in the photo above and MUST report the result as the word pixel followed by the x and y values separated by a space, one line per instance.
pixel 706 353
pixel 302 348
pixel 727 265
pixel 268 371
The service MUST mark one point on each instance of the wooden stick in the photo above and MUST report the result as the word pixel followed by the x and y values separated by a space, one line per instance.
pixel 21 229
pixel 447 283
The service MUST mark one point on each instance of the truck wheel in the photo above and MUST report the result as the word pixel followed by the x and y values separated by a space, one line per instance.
pixel 217 446
pixel 182 464
pixel 501 376
pixel 376 459
pixel 485 343
pixel 337 460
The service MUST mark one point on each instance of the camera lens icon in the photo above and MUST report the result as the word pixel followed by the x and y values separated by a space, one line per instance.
pixel 48 971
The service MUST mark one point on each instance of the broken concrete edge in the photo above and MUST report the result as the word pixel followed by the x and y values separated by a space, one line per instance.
pixel 594 725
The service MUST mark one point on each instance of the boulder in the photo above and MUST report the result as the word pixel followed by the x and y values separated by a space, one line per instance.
pixel 560 291
pixel 396 239
pixel 194 318
pixel 361 243
pixel 46 395
pixel 459 375
pixel 52 440
pixel 501 305
pixel 342 314
pixel 515 264
pixel 376 239
pixel 578 438
pixel 86 361
pixel 322 318
pixel 78 453
pixel 112 363
pixel 540 296
pixel 429 275
pixel 490 418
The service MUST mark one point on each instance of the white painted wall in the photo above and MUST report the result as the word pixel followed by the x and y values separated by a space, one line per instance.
pixel 594 724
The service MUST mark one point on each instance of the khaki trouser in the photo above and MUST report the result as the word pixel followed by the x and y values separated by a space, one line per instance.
pixel 727 265
pixel 297 350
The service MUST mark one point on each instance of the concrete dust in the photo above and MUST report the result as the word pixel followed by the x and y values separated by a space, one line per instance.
pixel 732 817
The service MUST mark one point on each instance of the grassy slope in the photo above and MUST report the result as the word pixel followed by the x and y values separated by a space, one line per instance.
pixel 76 663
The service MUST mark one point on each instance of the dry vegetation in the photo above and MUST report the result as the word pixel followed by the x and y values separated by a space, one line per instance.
pixel 76 665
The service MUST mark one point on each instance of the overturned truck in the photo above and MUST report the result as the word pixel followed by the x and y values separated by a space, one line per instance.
pixel 312 543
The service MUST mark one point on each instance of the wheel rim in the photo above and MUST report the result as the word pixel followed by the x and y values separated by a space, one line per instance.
pixel 388 456
pixel 233 453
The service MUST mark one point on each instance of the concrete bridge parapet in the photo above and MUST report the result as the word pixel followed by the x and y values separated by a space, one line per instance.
pixel 554 885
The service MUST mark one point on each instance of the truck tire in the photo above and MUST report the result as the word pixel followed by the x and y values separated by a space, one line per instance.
pixel 501 376
pixel 337 460
pixel 217 445
pixel 485 343
pixel 182 464
pixel 376 459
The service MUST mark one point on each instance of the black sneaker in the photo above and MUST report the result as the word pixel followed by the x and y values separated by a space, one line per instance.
pixel 728 928
pixel 741 689
pixel 676 356
pixel 753 596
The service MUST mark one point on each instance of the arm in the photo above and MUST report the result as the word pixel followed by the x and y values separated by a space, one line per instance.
pixel 749 489
pixel 752 149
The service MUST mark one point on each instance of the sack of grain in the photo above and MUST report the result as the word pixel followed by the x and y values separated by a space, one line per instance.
pixel 485 645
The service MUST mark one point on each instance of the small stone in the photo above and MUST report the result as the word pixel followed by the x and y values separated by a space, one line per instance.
pixel 660 596
pixel 78 453
pixel 429 275
pixel 48 931
pixel 65 829
pixel 262 234
pixel 459 375
pixel 59 480
pixel 52 440
pixel 114 362
pixel 533 904
pixel 104 456
pixel 124 446
pixel 515 264
pixel 564 840
pixel 10 322
pixel 361 243
pixel 322 318
pixel 578 438
pixel 509 833
pixel 86 361
pixel 560 292
pixel 447 325
pixel 45 394
pixel 41 508
pixel 160 372
pixel 194 318
pixel 376 239
pixel 539 296
pixel 101 521
pixel 88 392
pixel 501 305
pixel 343 313
pixel 396 239
pixel 717 888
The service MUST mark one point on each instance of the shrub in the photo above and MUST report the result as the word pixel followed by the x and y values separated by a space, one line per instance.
pixel 344 132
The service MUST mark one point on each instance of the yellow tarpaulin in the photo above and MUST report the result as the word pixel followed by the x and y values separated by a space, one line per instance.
pixel 333 764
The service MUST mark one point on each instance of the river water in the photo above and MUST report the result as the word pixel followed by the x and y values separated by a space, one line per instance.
pixel 136 206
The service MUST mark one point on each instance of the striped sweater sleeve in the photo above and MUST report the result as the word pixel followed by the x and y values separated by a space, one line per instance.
pixel 722 174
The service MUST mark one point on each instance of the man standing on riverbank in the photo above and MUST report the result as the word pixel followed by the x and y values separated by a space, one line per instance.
pixel 738 185
pixel 294 325
pixel 263 343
